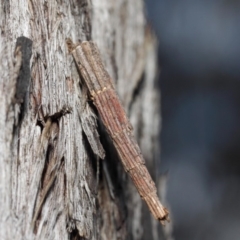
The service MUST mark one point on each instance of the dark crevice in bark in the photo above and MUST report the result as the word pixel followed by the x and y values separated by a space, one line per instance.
pixel 74 235
pixel 137 92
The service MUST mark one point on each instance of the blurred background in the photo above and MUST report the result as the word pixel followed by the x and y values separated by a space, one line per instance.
pixel 199 55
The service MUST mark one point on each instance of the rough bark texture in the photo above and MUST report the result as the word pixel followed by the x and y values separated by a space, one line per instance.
pixel 52 183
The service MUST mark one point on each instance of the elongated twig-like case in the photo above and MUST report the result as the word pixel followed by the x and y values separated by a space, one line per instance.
pixel 113 116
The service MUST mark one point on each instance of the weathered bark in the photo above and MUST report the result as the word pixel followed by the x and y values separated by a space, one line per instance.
pixel 53 184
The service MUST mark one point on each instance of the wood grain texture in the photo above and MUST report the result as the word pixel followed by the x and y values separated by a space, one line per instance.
pixel 47 167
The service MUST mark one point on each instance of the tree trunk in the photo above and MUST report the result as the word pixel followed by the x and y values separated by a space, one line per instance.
pixel 53 183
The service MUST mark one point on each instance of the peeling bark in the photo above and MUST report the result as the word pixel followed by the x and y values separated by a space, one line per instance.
pixel 52 183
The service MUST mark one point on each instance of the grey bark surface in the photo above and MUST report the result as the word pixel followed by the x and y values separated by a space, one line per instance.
pixel 53 183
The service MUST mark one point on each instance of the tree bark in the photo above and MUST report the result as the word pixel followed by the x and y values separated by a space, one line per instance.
pixel 53 182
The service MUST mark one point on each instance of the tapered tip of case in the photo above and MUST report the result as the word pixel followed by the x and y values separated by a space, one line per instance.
pixel 165 217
